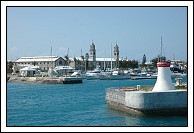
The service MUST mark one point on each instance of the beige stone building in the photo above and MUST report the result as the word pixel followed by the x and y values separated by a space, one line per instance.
pixel 44 62
pixel 91 61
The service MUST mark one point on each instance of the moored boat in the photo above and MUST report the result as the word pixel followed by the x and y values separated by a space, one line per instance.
pixel 118 75
pixel 72 80
pixel 104 76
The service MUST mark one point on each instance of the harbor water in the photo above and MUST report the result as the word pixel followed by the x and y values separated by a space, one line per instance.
pixel 76 105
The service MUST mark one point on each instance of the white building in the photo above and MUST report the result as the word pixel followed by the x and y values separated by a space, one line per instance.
pixel 28 71
pixel 44 62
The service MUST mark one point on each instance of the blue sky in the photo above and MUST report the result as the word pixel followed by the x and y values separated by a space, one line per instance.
pixel 31 31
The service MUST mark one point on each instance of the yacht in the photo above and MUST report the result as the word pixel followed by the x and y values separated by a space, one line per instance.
pixel 93 74
pixel 104 75
pixel 73 78
pixel 147 76
pixel 118 75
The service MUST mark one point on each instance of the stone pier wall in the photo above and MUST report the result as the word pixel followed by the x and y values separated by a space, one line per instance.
pixel 115 95
pixel 154 103
pixel 142 100
pixel 37 80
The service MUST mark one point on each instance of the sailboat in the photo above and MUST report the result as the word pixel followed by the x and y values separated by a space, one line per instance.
pixel 51 72
pixel 105 74
pixel 73 79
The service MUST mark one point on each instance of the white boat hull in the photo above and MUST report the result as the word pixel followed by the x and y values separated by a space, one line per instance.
pixel 118 77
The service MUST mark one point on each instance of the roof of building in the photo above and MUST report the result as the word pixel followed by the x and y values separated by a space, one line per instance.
pixel 27 69
pixel 37 59
pixel 63 67
pixel 54 58
pixel 105 59
pixel 97 59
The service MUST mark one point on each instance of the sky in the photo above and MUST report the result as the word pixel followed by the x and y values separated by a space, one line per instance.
pixel 32 31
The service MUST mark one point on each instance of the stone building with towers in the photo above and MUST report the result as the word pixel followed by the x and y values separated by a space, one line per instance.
pixel 116 56
pixel 103 62
pixel 90 61
pixel 92 56
pixel 144 59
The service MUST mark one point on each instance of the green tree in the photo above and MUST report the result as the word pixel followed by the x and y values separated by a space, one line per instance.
pixel 157 59
pixel 9 67
pixel 34 63
pixel 124 64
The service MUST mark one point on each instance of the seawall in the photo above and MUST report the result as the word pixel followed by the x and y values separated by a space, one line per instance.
pixel 148 102
pixel 37 80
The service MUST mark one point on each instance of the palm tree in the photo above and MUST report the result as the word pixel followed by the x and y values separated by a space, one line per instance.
pixel 75 60
pixel 66 59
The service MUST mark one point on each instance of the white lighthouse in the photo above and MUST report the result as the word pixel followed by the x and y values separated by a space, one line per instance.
pixel 164 81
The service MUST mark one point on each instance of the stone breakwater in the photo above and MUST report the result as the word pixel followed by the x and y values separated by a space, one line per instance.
pixel 147 102
pixel 36 80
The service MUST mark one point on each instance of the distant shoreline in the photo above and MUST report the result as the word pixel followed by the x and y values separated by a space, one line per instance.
pixel 59 80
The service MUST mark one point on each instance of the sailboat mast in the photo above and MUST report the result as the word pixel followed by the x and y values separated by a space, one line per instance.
pixel 111 58
pixel 68 57
pixel 104 61
pixel 51 60
pixel 161 50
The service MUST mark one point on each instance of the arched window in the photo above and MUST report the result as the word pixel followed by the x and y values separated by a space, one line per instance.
pixel 60 62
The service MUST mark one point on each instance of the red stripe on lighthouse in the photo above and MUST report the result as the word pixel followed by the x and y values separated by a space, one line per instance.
pixel 163 64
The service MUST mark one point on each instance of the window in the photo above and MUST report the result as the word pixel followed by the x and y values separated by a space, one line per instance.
pixel 60 62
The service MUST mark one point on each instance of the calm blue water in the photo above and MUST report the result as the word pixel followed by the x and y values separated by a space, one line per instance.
pixel 75 105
